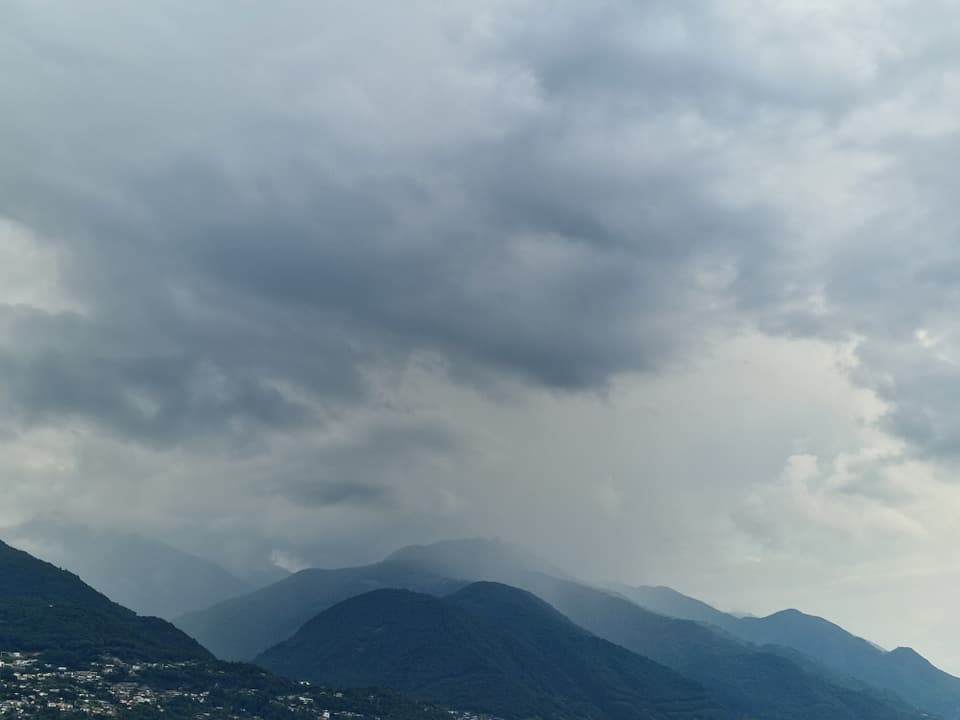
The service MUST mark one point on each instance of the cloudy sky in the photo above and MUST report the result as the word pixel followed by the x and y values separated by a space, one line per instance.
pixel 665 291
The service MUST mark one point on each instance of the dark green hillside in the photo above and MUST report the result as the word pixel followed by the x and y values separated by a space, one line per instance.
pixel 489 648
pixel 45 609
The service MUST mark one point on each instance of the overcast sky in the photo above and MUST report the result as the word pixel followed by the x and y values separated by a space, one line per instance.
pixel 665 291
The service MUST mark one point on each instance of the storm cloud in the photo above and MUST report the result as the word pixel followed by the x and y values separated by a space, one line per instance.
pixel 319 279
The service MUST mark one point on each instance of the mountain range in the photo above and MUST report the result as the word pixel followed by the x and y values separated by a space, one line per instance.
pixel 242 627
pixel 67 651
pixel 146 575
pixel 902 670
pixel 483 625
pixel 763 681
pixel 755 681
pixel 487 647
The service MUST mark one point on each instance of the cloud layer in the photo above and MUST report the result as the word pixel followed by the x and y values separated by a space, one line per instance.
pixel 314 280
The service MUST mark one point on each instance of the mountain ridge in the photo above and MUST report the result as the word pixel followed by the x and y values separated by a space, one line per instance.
pixel 141 573
pixel 276 613
pixel 49 610
pixel 486 647
pixel 902 671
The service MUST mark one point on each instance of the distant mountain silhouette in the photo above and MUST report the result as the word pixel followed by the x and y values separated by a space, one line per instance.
pixel 46 609
pixel 901 671
pixel 667 601
pixel 145 575
pixel 745 678
pixel 474 559
pixel 240 628
pixel 786 687
pixel 489 648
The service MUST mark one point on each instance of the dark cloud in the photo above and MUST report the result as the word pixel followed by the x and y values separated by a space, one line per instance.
pixel 341 493
pixel 506 258
pixel 373 470
pixel 308 271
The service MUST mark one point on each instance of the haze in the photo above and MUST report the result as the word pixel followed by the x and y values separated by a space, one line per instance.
pixel 662 291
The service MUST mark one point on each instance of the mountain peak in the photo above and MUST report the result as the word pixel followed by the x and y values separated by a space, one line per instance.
pixel 909 656
pixel 506 604
pixel 792 615
pixel 473 559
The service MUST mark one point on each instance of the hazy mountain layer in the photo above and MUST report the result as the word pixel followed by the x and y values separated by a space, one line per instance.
pixel 240 628
pixel 743 677
pixel 902 671
pixel 761 683
pixel 474 559
pixel 145 575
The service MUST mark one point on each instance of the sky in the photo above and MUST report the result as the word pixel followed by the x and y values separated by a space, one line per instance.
pixel 663 291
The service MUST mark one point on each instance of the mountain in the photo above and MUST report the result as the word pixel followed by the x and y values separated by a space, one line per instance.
pixel 744 678
pixel 145 575
pixel 474 559
pixel 69 651
pixel 489 648
pixel 668 601
pixel 245 626
pixel 901 671
pixel 240 628
pixel 46 609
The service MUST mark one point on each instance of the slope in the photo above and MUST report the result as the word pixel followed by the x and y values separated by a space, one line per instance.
pixel 474 559
pixel 668 601
pixel 489 648
pixel 245 626
pixel 148 576
pixel 45 609
pixel 901 671
pixel 744 678
pixel 240 628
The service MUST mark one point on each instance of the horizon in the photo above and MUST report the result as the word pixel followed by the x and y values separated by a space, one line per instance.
pixel 484 544
pixel 662 292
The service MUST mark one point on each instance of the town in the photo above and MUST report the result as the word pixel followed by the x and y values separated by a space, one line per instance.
pixel 32 686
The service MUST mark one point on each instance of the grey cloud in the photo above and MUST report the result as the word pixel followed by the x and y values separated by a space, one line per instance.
pixel 64 366
pixel 372 470
pixel 341 493
pixel 304 248
pixel 922 394
pixel 521 262
pixel 892 289
pixel 656 57
pixel 212 230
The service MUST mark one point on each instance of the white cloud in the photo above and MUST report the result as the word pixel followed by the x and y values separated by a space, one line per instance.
pixel 30 274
